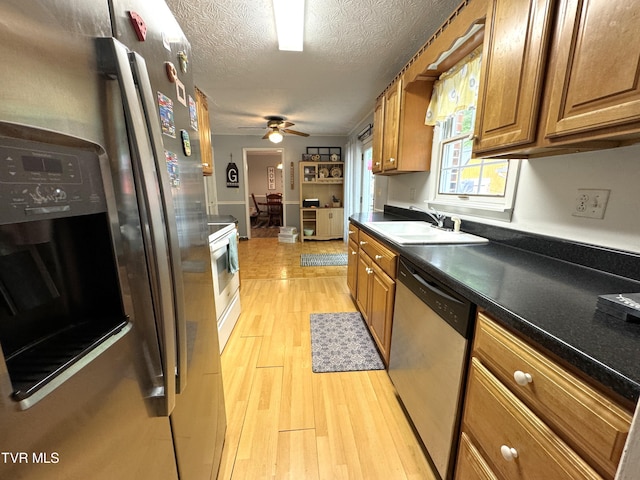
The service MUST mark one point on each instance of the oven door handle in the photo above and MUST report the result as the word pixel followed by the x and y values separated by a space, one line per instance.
pixel 221 242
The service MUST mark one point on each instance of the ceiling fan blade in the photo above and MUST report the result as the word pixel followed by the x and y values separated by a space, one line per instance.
pixel 286 124
pixel 286 130
pixel 266 135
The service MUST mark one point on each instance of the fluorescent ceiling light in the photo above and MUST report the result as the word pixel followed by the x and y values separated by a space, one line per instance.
pixel 289 24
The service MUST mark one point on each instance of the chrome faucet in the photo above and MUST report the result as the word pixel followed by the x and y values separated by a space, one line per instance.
pixel 433 213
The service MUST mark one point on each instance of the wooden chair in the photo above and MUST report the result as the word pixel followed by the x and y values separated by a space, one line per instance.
pixel 274 209
pixel 259 217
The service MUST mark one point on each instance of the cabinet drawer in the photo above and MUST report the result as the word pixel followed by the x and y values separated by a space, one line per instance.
pixel 353 232
pixel 587 420
pixel 471 465
pixel 498 421
pixel 385 258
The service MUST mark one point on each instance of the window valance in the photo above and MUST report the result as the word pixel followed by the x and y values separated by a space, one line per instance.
pixel 456 89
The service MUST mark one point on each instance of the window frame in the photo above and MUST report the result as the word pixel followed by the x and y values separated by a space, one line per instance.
pixel 485 206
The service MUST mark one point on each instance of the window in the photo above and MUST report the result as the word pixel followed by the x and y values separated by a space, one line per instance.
pixel 476 186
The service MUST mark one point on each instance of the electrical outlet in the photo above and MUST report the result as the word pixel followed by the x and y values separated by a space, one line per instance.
pixel 591 203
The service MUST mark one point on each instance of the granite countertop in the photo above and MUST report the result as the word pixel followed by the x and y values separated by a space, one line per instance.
pixel 550 301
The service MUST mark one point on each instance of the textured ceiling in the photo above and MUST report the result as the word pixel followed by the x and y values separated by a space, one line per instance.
pixel 352 51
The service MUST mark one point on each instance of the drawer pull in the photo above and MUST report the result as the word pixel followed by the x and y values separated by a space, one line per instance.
pixel 351 231
pixel 369 270
pixel 508 453
pixel 353 252
pixel 521 378
pixel 378 257
pixel 363 243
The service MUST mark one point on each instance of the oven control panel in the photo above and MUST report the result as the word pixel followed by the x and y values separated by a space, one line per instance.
pixel 39 180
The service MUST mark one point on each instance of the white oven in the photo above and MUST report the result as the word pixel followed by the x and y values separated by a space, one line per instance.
pixel 226 279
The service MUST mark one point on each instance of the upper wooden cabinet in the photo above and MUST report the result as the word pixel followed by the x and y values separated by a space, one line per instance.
pixel 204 133
pixel 596 80
pixel 558 76
pixel 391 126
pixel 378 135
pixel 513 68
pixel 401 140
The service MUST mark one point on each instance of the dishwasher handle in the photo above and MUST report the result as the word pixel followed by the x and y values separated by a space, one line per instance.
pixel 437 291
pixel 451 306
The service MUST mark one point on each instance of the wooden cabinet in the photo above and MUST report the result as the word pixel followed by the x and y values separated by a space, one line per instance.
pixel 381 299
pixel 596 79
pixel 352 260
pixel 517 396
pixel 558 76
pixel 322 181
pixel 378 135
pixel 352 268
pixel 513 68
pixel 392 98
pixel 375 272
pixel 516 443
pixel 204 133
pixel 329 222
pixel 401 141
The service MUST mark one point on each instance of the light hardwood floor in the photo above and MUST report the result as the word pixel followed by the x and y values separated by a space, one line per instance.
pixel 283 420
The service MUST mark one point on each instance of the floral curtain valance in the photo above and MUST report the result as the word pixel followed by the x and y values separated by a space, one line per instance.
pixel 456 89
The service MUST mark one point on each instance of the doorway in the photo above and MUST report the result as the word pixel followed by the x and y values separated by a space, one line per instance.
pixel 264 174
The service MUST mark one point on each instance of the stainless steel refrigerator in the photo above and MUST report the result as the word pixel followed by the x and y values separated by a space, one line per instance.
pixel 109 363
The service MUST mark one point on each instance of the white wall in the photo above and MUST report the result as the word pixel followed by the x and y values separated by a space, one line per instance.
pixel 258 179
pixel 547 189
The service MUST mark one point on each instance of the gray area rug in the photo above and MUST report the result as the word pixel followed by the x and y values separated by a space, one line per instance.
pixel 323 259
pixel 341 342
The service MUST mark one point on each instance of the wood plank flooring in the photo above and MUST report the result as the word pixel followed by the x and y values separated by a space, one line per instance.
pixel 283 420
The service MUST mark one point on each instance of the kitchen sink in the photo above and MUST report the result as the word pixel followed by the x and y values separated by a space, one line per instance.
pixel 421 233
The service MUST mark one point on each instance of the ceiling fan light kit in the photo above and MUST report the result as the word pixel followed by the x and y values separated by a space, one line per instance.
pixel 275 136
pixel 277 127
pixel 289 16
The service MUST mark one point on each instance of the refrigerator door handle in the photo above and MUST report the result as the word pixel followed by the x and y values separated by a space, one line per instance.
pixel 149 102
pixel 114 61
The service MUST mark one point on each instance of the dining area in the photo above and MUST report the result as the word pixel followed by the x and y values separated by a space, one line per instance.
pixel 267 212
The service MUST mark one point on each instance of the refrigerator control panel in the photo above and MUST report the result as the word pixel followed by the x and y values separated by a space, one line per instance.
pixel 42 181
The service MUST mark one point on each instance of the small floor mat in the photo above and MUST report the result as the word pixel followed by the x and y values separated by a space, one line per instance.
pixel 322 259
pixel 341 342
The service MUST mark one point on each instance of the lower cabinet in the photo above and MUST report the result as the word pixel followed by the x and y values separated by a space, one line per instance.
pixel 329 223
pixel 323 223
pixel 375 296
pixel 527 417
pixel 373 273
pixel 352 267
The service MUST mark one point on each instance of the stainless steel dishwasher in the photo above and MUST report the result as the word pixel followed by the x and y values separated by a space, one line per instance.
pixel 429 348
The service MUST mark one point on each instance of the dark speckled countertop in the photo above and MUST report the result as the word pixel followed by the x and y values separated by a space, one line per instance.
pixel 548 300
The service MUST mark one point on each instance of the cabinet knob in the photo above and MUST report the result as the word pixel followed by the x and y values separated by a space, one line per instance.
pixel 362 243
pixel 378 257
pixel 377 164
pixel 353 252
pixel 521 378
pixel 391 160
pixel 369 270
pixel 351 231
pixel 508 453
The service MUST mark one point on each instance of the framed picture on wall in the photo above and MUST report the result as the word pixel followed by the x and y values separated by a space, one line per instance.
pixel 271 178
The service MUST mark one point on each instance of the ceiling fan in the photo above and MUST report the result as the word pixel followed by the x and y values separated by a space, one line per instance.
pixel 277 126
